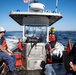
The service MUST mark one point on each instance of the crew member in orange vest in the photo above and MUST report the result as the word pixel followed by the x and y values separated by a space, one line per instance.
pixel 6 54
pixel 52 37
pixel 52 41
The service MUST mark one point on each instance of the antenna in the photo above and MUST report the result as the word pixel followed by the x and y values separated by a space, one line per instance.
pixel 56 6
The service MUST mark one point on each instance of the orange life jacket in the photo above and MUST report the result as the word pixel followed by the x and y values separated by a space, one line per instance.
pixel 20 45
pixel 52 38
pixel 4 44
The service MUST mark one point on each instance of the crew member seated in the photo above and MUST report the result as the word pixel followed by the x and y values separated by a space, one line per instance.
pixel 6 54
pixel 52 41
pixel 51 46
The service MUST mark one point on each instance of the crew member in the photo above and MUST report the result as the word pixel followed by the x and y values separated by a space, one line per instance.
pixel 6 54
pixel 52 37
pixel 51 45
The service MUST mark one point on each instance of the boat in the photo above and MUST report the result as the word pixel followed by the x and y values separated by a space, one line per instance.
pixel 36 23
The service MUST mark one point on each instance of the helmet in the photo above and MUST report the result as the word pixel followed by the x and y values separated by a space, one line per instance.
pixel 2 29
pixel 52 29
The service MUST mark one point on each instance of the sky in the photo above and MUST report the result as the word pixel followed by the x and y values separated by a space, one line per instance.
pixel 66 7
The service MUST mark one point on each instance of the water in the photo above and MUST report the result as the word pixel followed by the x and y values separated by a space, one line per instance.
pixel 63 36
pixel 18 34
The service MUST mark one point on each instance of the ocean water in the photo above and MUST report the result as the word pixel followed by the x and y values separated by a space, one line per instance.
pixel 63 36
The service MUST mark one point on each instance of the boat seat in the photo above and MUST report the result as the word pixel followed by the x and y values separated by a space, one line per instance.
pixel 3 67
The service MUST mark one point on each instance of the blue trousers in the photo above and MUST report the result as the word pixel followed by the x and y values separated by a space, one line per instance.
pixel 11 60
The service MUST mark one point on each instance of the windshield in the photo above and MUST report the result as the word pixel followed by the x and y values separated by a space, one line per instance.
pixel 35 33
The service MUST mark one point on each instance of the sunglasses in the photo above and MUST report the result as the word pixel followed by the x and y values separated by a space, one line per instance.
pixel 2 32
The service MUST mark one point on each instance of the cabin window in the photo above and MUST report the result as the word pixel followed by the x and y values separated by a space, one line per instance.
pixel 35 34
